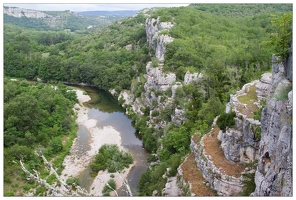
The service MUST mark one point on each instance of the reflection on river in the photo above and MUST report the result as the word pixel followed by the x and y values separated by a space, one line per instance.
pixel 104 108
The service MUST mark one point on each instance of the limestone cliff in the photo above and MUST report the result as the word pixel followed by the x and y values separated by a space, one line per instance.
pixel 21 12
pixel 155 39
pixel 241 142
pixel 274 173
pixel 57 20
pixel 157 82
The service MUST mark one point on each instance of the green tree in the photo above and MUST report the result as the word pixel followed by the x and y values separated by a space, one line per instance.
pixel 56 145
pixel 22 113
pixel 176 141
pixel 282 35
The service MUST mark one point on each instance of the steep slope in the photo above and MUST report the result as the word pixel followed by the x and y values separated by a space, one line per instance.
pixel 275 161
pixel 56 20
pixel 174 72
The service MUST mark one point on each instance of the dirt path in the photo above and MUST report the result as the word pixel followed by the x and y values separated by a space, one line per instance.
pixel 213 148
pixel 193 175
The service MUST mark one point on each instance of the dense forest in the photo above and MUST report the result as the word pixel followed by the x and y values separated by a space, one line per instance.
pixel 67 20
pixel 35 115
pixel 230 44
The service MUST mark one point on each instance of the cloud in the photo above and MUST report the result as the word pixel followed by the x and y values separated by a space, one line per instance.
pixel 90 7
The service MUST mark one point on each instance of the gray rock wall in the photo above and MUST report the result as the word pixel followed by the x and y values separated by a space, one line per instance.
pixel 240 144
pixel 274 173
pixel 156 40
pixel 21 12
pixel 224 185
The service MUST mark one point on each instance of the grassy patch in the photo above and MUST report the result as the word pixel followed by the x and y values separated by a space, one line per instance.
pixel 249 99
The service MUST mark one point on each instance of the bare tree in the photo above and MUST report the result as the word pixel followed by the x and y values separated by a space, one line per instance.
pixel 65 190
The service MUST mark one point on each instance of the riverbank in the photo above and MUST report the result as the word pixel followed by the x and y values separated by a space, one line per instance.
pixel 75 163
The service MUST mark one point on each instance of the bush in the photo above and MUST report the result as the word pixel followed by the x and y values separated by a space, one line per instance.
pixel 174 163
pixel 249 184
pixel 152 158
pixel 282 95
pixel 40 191
pixel 111 158
pixel 106 190
pixel 257 114
pixel 155 113
pixel 56 145
pixel 72 181
pixel 9 194
pixel 226 120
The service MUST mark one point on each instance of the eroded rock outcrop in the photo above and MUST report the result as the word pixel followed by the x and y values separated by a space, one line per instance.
pixel 156 40
pixel 224 183
pixel 157 79
pixel 241 143
pixel 21 12
pixel 192 77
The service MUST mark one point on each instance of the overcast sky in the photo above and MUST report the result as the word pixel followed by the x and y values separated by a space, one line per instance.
pixel 91 6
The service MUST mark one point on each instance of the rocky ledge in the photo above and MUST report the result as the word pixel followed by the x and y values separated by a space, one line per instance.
pixel 225 183
pixel 241 143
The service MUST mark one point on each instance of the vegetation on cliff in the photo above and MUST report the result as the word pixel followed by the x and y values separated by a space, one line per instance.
pixel 228 48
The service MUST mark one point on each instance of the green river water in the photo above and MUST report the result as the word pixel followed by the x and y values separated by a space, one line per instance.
pixel 104 108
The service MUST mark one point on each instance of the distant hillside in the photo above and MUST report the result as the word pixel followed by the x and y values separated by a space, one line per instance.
pixel 242 10
pixel 60 20
pixel 118 13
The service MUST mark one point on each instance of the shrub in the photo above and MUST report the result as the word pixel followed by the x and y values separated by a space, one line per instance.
pixel 51 179
pixel 226 120
pixel 283 93
pixel 257 114
pixel 154 62
pixel 174 163
pixel 40 191
pixel 155 113
pixel 249 184
pixel 106 190
pixel 111 158
pixel 56 145
pixel 9 194
pixel 72 181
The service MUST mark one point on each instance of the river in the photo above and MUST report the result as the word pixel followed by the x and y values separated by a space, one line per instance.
pixel 104 108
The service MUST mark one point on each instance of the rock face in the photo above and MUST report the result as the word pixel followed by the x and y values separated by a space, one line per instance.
pixel 263 86
pixel 21 12
pixel 289 64
pixel 158 80
pixel 274 173
pixel 156 40
pixel 240 144
pixel 192 77
pixel 224 185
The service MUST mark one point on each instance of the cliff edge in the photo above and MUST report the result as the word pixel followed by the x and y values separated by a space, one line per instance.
pixel 275 162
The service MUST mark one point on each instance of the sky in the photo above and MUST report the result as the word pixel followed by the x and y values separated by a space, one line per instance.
pixel 92 5
pixel 89 7
pixel 77 6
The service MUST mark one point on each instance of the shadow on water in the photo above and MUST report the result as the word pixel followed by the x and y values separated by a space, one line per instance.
pixel 101 100
pixel 104 108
